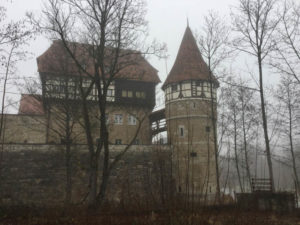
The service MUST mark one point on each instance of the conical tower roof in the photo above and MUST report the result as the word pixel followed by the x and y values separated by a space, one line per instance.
pixel 189 64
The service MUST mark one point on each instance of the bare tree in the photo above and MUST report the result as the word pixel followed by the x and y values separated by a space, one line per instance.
pixel 240 115
pixel 287 94
pixel 234 129
pixel 249 119
pixel 213 41
pixel 13 36
pixel 105 29
pixel 255 24
pixel 286 56
pixel 61 120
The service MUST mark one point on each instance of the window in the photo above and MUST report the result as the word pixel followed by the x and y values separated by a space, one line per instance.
pixel 118 141
pixel 140 94
pixel 109 92
pixel 98 140
pixel 136 142
pixel 174 87
pixel 193 154
pixel 118 119
pixel 207 129
pixel 193 105
pixel 131 120
pixel 181 131
pixel 127 94
pixel 107 118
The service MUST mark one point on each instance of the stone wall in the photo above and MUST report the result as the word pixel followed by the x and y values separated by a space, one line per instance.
pixel 34 174
pixel 24 129
pixel 263 200
pixel 42 129
pixel 190 131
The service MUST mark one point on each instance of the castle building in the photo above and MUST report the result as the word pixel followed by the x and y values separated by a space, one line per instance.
pixel 130 97
pixel 190 95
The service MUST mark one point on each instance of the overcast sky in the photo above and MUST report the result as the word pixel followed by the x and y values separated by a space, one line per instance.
pixel 167 22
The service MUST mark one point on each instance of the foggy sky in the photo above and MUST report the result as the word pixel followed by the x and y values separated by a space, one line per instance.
pixel 167 22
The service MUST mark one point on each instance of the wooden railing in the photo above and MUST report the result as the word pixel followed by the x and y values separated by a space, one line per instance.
pixel 158 122
pixel 261 184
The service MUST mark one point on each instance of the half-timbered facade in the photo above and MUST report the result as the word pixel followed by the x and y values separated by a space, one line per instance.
pixel 130 95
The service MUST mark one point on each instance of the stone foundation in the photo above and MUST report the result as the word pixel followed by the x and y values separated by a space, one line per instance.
pixel 281 201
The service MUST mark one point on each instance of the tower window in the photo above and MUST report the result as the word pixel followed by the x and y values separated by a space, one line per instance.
pixel 118 141
pixel 174 87
pixel 136 142
pixel 207 129
pixel 193 154
pixel 98 140
pixel 181 131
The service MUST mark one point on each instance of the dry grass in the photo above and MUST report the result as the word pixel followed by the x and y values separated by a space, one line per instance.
pixel 122 216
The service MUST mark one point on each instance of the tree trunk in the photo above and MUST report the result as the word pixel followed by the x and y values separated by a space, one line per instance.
pixel 106 169
pixel 208 168
pixel 245 143
pixel 93 179
pixel 235 151
pixel 69 174
pixel 213 118
pixel 93 170
pixel 265 123
pixel 3 105
pixel 292 143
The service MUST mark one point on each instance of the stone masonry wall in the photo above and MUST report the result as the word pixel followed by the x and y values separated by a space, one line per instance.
pixel 24 129
pixel 33 174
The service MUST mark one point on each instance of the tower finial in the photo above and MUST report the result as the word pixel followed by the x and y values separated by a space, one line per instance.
pixel 187 21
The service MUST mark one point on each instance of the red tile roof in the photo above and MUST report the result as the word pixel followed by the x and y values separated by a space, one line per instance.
pixel 189 64
pixel 132 64
pixel 31 105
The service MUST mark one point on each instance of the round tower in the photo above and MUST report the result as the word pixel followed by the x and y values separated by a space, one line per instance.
pixel 190 96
